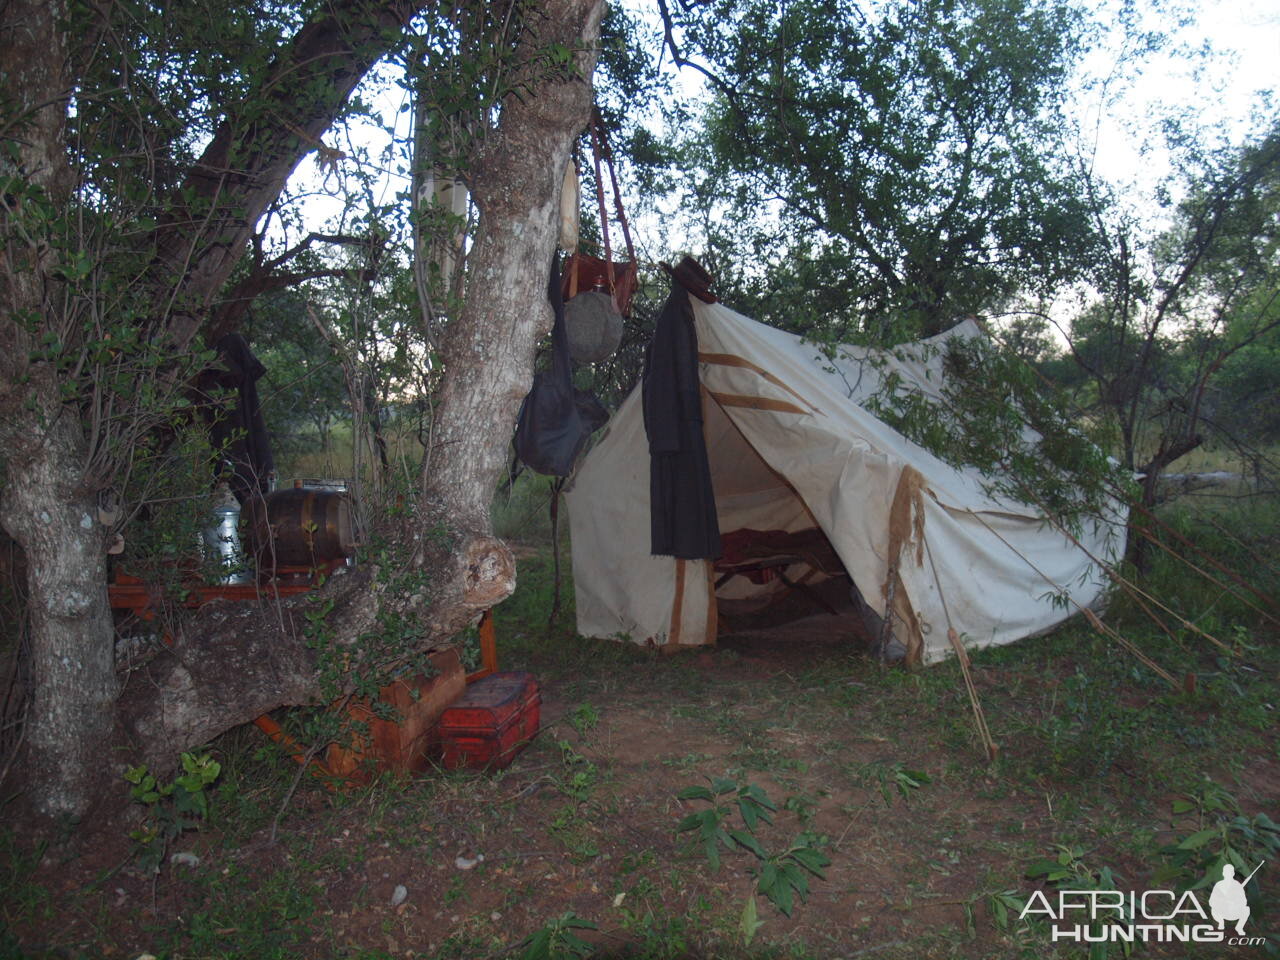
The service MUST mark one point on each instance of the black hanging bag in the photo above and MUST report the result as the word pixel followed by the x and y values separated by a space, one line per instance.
pixel 556 418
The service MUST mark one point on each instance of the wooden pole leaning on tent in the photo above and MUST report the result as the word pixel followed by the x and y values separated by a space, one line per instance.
pixel 1089 615
pixel 1136 592
pixel 962 655
pixel 1140 596
pixel 975 703
pixel 1270 601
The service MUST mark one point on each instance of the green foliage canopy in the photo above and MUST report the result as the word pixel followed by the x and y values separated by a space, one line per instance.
pixel 891 167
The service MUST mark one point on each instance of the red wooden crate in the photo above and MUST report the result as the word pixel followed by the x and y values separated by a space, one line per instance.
pixel 492 722
pixel 400 745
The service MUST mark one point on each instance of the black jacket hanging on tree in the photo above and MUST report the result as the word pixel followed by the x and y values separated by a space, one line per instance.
pixel 682 506
pixel 237 430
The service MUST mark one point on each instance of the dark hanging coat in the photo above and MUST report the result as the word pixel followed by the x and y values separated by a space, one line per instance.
pixel 682 506
pixel 237 430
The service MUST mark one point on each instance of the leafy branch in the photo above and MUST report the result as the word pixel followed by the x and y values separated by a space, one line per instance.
pixel 174 807
pixel 781 876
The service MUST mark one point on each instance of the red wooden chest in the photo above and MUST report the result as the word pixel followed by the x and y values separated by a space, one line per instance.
pixel 492 722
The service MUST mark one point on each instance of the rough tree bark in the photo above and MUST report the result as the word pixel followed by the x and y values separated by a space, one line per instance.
pixel 231 664
pixel 44 505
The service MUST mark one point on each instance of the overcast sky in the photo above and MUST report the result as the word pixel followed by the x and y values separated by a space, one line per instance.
pixel 1247 39
pixel 1247 36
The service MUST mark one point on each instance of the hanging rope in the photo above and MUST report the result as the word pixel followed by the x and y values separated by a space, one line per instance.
pixel 597 135
pixel 607 152
pixel 585 272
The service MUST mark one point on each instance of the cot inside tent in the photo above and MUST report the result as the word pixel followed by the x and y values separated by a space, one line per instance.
pixel 809 484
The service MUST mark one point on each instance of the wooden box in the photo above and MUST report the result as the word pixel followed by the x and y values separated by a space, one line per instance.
pixel 491 723
pixel 403 745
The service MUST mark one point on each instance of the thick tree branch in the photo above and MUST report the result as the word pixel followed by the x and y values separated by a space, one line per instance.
pixel 253 152
pixel 264 279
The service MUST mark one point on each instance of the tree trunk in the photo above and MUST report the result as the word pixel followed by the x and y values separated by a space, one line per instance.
pixel 235 662
pixel 72 651
pixel 1139 553
pixel 44 504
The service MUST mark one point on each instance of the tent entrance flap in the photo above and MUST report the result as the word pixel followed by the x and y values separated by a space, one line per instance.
pixel 773 544
pixel 779 564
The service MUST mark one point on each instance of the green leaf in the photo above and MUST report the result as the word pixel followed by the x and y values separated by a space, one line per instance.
pixel 191 782
pixel 1212 875
pixel 780 896
pixel 689 822
pixel 1198 839
pixel 750 921
pixel 721 786
pixel 759 796
pixel 538 946
pixel 749 842
pixel 712 851
pixel 796 878
pixel 811 859
pixel 768 879
pixel 695 793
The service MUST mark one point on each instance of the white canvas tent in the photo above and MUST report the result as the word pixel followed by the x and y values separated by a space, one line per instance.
pixel 791 448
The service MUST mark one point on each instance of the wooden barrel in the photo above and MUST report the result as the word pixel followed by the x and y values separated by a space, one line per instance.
pixel 302 527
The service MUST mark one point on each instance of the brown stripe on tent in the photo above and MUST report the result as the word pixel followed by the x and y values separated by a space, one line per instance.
pixel 906 522
pixel 757 403
pixel 733 360
pixel 713 612
pixel 677 605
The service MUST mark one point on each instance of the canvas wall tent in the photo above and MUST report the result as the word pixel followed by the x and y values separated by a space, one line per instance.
pixel 791 447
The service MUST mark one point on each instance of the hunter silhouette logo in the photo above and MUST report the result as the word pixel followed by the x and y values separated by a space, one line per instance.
pixel 1159 916
pixel 1228 900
